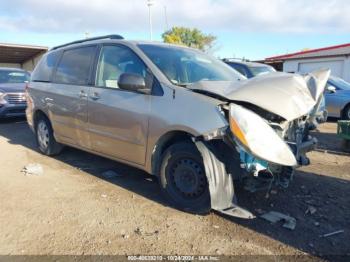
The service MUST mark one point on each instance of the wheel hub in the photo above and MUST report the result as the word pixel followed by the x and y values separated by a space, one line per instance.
pixel 43 134
pixel 189 178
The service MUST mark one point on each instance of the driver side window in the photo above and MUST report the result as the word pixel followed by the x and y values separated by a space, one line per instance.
pixel 113 62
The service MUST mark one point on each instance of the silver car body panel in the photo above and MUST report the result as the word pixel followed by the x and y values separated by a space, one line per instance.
pixel 336 102
pixel 185 112
pixel 118 123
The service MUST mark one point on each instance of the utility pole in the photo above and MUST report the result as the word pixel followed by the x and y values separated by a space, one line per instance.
pixel 150 3
pixel 166 19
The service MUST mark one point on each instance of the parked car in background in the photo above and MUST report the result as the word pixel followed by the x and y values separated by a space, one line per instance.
pixel 175 112
pixel 249 69
pixel 12 92
pixel 338 98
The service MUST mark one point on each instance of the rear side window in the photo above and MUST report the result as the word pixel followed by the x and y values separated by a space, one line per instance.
pixel 75 65
pixel 43 71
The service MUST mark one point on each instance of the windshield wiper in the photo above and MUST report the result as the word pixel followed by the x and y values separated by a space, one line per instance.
pixel 182 85
pixel 179 84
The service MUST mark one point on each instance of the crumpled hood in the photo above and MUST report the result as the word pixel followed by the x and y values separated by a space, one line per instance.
pixel 12 87
pixel 287 95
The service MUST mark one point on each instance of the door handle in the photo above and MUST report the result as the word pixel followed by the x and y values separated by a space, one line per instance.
pixel 95 96
pixel 82 94
pixel 48 100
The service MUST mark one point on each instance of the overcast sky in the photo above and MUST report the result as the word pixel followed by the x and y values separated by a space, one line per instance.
pixel 251 28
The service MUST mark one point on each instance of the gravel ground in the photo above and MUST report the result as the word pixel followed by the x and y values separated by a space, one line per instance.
pixel 71 209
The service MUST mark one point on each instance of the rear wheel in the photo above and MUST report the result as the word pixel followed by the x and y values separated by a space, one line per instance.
pixel 44 135
pixel 183 178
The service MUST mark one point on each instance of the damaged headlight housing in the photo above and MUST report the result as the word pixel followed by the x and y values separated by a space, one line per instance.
pixel 258 138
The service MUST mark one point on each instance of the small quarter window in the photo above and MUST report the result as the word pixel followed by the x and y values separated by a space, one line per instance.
pixel 43 71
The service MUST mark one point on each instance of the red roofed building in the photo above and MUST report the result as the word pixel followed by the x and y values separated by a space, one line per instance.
pixel 336 58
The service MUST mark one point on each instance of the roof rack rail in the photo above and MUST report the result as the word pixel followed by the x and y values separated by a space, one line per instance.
pixel 235 59
pixel 89 39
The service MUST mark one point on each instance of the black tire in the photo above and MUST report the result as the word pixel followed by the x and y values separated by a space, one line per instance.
pixel 46 142
pixel 346 145
pixel 183 179
pixel 346 113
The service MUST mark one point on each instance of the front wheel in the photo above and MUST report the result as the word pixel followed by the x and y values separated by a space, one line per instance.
pixel 183 178
pixel 346 113
pixel 44 135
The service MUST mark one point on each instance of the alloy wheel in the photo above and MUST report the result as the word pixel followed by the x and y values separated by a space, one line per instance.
pixel 43 134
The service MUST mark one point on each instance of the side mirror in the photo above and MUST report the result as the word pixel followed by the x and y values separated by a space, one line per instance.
pixel 331 89
pixel 133 82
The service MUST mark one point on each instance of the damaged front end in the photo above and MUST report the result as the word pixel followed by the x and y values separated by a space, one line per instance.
pixel 269 123
pixel 269 148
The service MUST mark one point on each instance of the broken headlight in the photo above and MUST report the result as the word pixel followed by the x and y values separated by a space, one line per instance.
pixel 258 138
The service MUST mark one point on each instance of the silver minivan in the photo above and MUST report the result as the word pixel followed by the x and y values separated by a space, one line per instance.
pixel 177 113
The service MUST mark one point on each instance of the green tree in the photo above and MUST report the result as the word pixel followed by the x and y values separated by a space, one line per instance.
pixel 191 37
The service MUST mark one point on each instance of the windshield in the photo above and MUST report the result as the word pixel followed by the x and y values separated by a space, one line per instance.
pixel 339 83
pixel 13 76
pixel 183 66
pixel 260 70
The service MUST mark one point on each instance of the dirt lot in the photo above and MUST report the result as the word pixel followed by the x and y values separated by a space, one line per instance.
pixel 73 209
